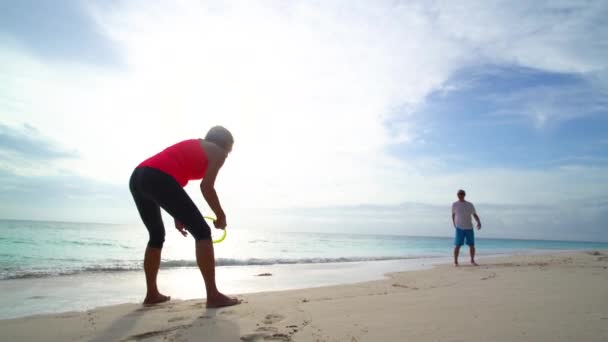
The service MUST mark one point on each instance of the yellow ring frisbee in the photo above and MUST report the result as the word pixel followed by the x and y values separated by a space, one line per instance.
pixel 223 236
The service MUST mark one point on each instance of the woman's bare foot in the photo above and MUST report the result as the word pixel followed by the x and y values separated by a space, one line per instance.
pixel 474 263
pixel 221 300
pixel 156 299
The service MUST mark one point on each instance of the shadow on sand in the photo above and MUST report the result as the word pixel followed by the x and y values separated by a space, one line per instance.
pixel 209 326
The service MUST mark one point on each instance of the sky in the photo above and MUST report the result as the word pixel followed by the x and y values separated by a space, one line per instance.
pixel 348 116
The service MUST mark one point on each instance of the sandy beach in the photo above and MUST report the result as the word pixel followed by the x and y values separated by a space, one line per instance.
pixel 559 297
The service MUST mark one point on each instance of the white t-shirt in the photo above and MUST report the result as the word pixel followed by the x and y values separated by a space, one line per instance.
pixel 463 211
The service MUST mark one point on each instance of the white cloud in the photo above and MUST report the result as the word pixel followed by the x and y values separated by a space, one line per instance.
pixel 559 36
pixel 307 88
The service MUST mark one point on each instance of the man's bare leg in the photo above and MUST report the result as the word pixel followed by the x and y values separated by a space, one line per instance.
pixel 151 266
pixel 456 251
pixel 206 263
pixel 472 252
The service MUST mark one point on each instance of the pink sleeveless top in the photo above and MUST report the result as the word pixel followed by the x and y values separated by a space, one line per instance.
pixel 183 161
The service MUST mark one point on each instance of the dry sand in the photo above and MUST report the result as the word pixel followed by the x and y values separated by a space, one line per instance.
pixel 560 297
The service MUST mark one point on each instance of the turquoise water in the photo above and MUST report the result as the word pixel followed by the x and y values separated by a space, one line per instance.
pixel 49 267
pixel 33 249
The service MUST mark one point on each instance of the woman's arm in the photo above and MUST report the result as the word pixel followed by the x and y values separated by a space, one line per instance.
pixel 216 157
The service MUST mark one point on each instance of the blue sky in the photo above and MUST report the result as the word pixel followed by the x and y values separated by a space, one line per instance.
pixel 382 108
pixel 57 31
pixel 496 114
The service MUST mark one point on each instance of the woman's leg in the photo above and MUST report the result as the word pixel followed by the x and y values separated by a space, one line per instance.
pixel 150 215
pixel 175 201
pixel 206 263
pixel 151 266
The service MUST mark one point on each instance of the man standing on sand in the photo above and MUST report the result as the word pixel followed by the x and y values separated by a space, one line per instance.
pixel 461 217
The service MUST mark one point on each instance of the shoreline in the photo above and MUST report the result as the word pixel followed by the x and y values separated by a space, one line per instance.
pixel 81 292
pixel 222 263
pixel 89 291
pixel 546 297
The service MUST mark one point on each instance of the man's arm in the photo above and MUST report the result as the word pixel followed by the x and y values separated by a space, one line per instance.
pixel 477 219
pixel 454 219
pixel 216 160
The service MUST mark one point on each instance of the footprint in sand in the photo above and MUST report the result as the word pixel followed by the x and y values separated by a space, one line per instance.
pixel 91 319
pixel 272 318
pixel 280 337
pixel 252 337
pixel 226 312
pixel 405 286
pixel 155 333
pixel 270 333
pixel 267 329
pixel 175 319
pixel 293 328
pixel 256 337
pixel 489 276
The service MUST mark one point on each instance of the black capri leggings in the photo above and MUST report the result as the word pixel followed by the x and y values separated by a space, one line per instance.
pixel 153 189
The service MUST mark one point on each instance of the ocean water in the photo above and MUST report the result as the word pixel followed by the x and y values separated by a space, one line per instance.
pixel 58 266
pixel 35 249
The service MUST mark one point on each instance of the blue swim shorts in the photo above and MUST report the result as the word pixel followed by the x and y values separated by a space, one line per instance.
pixel 462 235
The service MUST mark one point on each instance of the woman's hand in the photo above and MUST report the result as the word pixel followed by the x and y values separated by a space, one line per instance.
pixel 181 228
pixel 220 222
